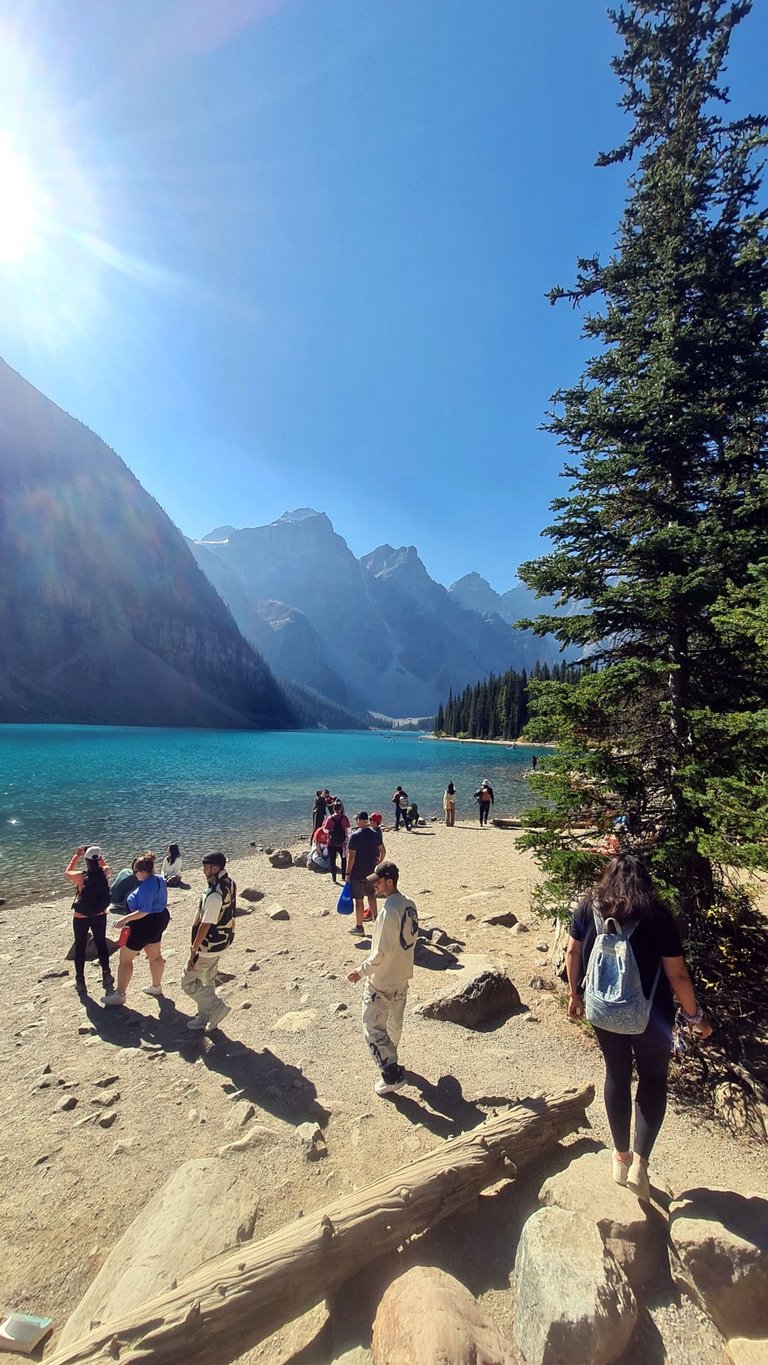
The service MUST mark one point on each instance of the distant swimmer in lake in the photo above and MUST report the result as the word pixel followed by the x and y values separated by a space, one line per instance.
pixel 145 924
pixel 449 804
pixel 89 912
pixel 171 869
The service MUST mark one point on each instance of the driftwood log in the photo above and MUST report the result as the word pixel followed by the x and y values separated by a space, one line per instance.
pixel 239 1298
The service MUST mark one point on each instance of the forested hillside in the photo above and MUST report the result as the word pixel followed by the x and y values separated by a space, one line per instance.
pixel 498 707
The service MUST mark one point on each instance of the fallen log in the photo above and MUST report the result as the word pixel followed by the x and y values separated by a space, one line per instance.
pixel 234 1301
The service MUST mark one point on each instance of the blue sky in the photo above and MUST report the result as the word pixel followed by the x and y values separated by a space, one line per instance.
pixel 295 252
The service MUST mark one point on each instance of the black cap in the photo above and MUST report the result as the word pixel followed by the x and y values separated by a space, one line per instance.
pixel 215 859
pixel 362 815
pixel 385 869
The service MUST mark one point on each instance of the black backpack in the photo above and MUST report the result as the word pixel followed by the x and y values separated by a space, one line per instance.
pixel 95 896
pixel 337 834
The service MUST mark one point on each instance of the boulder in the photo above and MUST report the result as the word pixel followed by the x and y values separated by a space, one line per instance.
pixel 249 893
pixel 282 857
pixel 359 1355
pixel 296 1021
pixel 573 1301
pixel 505 918
pixel 276 912
pixel 520 928
pixel 300 859
pixel 747 1351
pixel 635 1233
pixel 427 1316
pixel 311 1141
pixel 203 1210
pixel 721 1240
pixel 473 997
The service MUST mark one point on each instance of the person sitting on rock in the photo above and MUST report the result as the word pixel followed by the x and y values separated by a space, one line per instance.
pixel 171 869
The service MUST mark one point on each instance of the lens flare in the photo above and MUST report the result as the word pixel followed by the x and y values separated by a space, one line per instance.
pixel 23 205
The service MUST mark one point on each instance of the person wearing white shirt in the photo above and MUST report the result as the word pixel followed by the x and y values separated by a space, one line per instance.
pixel 387 971
pixel 171 869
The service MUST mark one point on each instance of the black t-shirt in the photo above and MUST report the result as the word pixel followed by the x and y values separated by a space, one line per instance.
pixel 655 937
pixel 365 843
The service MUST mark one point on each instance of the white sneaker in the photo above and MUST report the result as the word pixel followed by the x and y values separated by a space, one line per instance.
pixel 638 1182
pixel 219 1015
pixel 197 1023
pixel 113 998
pixel 152 990
pixel 383 1087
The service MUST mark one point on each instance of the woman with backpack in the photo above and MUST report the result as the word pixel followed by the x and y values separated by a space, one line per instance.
pixel 337 827
pixel 89 912
pixel 144 926
pixel 625 969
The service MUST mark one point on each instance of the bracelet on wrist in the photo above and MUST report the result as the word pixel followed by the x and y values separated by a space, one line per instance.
pixel 694 1018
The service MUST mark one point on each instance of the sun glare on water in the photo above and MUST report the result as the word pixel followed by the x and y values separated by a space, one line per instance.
pixel 23 205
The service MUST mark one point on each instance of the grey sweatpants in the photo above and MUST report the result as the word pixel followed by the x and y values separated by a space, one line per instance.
pixel 200 983
pixel 383 1022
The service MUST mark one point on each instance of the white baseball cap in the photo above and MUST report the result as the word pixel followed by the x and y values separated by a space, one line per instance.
pixel 93 852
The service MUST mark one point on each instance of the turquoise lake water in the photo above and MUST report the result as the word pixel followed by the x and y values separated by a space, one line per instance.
pixel 129 789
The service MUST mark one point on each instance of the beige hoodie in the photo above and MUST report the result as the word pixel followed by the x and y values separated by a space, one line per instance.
pixel 389 965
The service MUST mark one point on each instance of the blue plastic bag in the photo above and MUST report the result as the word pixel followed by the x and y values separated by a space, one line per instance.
pixel 345 905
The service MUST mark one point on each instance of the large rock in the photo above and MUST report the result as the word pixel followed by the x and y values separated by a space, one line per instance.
pixel 474 995
pixel 635 1233
pixel 721 1239
pixel 282 857
pixel 427 1316
pixel 505 918
pixel 201 1211
pixel 747 1351
pixel 573 1301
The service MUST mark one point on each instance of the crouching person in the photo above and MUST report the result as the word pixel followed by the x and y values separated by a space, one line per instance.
pixel 212 932
pixel 386 973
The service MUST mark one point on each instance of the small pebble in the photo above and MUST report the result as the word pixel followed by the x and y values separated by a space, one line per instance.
pixel 68 1102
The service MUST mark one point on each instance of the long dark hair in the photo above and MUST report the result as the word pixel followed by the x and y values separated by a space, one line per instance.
pixel 94 877
pixel 174 852
pixel 625 889
pixel 450 789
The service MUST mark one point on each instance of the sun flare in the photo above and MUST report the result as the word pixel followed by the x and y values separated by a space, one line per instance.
pixel 23 205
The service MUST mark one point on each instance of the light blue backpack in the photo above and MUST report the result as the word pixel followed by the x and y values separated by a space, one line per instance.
pixel 613 992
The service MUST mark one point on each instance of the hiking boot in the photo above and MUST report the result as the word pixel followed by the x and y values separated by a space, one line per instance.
pixel 217 1017
pixel 197 1023
pixel 113 998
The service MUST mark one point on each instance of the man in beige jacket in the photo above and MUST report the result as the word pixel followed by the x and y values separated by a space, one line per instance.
pixel 386 973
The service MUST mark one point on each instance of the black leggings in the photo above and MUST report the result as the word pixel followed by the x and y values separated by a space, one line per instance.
pixel 483 809
pixel 97 925
pixel 401 815
pixel 651 1051
pixel 333 853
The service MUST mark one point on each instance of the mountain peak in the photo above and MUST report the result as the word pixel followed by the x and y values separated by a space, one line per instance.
pixel 471 582
pixel 299 514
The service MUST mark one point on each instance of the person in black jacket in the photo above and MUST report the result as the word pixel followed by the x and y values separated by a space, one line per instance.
pixel 89 913
pixel 484 798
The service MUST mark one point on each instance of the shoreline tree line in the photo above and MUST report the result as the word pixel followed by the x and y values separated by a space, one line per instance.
pixel 496 708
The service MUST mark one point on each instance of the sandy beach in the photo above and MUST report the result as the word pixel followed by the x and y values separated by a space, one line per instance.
pixel 77 1174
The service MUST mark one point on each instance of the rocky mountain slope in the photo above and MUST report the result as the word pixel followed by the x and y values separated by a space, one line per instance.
pixel 105 617
pixel 377 632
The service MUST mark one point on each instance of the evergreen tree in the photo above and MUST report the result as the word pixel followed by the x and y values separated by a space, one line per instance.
pixel 663 536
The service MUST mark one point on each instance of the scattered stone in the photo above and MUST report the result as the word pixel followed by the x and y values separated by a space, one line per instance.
pixel 256 1136
pixel 319 914
pixel 251 894
pixel 311 1141
pixel 53 973
pixel 282 858
pixel 246 1005
pixel 242 1113
pixel 542 947
pixel 469 917
pixel 635 1233
pixel 105 1101
pixel 123 1145
pixel 721 1239
pixel 106 1120
pixel 295 1021
pixel 573 1302
pixel 427 1316
pixel 87 1118
pixel 520 928
pixel 268 849
pixel 300 859
pixel 85 1029
pixel 437 936
pixel 473 999
pixel 104 1081
pixel 68 1102
pixel 202 1211
pixel 540 983
pixel 504 918
pixel 276 912
pixel 253 967
pixel 252 844
pixel 338 1007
